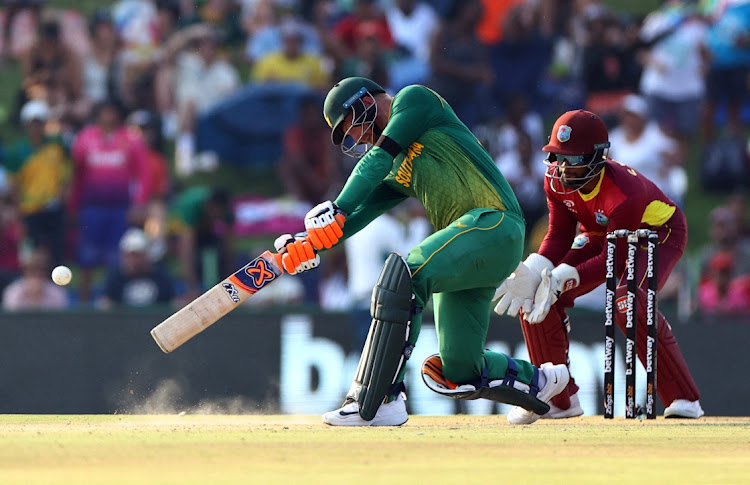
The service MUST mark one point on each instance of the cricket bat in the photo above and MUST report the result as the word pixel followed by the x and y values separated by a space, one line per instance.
pixel 208 308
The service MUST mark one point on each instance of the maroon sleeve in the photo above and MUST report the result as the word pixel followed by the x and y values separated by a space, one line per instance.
pixel 561 229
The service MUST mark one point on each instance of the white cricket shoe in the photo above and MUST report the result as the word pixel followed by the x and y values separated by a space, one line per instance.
pixel 682 408
pixel 389 414
pixel 574 410
pixel 557 377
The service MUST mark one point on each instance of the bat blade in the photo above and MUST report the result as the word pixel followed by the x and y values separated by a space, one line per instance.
pixel 224 297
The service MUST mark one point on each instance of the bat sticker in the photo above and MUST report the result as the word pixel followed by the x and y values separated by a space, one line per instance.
pixel 257 274
pixel 232 292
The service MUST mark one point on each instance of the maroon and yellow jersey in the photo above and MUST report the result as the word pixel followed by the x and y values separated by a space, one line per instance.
pixel 622 199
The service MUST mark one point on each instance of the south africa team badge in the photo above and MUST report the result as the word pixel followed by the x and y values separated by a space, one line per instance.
pixel 563 133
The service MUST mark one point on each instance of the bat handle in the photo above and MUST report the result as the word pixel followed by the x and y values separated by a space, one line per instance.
pixel 277 260
pixel 277 256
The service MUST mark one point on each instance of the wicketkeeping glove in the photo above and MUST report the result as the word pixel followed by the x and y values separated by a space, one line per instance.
pixel 554 283
pixel 298 254
pixel 517 291
pixel 324 225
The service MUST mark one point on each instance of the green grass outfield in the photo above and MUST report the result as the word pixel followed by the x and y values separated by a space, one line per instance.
pixel 126 449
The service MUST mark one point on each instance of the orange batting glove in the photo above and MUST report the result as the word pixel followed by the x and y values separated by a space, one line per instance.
pixel 297 254
pixel 324 224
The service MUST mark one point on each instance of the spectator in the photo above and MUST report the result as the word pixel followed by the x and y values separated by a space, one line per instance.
pixel 170 16
pixel 524 172
pixel 522 56
pixel 202 218
pixel 310 164
pixel 154 217
pixel 491 27
pixel 11 235
pixel 137 281
pixel 34 290
pixel 737 202
pixel 728 42
pixel 642 145
pixel 721 292
pixel 18 21
pixel 40 171
pixel 521 118
pixel 264 26
pixel 461 72
pixel 291 64
pixel 610 69
pixel 224 16
pixel 725 238
pixel 365 14
pixel 111 180
pixel 193 80
pixel 674 63
pixel 52 71
pixel 368 61
pixel 136 22
pixel 101 68
pixel 149 125
pixel 413 24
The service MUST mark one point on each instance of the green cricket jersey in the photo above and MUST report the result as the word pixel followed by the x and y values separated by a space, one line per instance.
pixel 442 164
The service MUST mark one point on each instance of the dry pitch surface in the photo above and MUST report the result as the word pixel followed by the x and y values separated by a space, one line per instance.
pixel 292 449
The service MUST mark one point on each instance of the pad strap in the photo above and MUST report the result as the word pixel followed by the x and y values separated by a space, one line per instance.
pixel 511 374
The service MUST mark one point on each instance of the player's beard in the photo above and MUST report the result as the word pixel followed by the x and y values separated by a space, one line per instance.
pixel 573 183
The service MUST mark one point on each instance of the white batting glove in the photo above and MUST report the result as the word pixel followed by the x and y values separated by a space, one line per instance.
pixel 324 225
pixel 517 291
pixel 554 283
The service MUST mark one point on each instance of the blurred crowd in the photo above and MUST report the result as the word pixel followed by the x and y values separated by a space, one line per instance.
pixel 101 154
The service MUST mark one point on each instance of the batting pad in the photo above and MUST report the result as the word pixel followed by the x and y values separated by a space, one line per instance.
pixel 386 348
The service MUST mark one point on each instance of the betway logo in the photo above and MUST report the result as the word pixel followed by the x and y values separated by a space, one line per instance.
pixel 650 344
pixel 629 311
pixel 609 346
pixel 610 296
pixel 316 373
pixel 610 256
pixel 650 301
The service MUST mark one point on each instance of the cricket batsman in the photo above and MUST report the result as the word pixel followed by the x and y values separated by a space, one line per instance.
pixel 584 187
pixel 419 148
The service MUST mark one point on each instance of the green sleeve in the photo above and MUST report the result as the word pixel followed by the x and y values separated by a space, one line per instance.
pixel 381 200
pixel 368 173
pixel 413 111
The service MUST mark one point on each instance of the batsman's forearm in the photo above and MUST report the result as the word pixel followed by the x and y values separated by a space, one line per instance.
pixel 368 174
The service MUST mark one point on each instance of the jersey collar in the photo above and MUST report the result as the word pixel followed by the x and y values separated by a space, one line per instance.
pixel 595 192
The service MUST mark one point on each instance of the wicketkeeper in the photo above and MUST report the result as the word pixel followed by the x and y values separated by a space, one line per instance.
pixel 420 149
pixel 585 188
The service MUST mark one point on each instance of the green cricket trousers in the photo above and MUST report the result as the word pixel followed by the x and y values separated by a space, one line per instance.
pixel 462 265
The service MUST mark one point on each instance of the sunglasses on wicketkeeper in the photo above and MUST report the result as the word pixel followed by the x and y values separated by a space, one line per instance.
pixel 572 160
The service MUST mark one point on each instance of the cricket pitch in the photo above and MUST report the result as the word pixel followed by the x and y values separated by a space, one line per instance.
pixel 229 449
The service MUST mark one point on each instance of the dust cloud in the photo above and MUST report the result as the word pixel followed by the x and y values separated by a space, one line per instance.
pixel 168 397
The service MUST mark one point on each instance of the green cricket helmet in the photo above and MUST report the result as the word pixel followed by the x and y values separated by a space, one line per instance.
pixel 344 98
